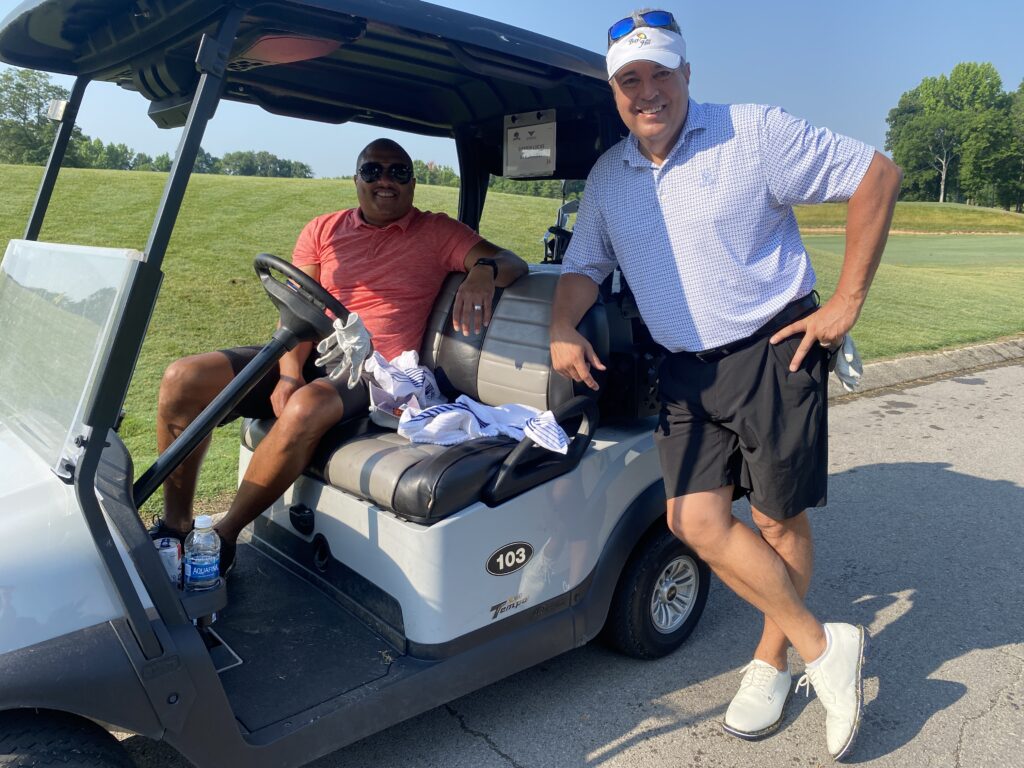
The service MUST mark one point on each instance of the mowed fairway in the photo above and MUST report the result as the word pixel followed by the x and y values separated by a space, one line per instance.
pixel 930 292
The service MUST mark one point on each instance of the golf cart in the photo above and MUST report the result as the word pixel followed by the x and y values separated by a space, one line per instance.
pixel 392 577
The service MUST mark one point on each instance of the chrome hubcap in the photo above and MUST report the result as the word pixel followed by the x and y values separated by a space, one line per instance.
pixel 674 594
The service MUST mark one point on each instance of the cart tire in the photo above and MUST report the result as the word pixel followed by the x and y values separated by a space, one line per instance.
pixel 42 739
pixel 659 598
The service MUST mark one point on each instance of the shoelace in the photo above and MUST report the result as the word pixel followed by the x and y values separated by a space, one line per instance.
pixel 804 681
pixel 758 676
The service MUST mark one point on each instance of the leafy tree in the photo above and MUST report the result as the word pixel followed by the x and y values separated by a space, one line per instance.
pixel 26 134
pixel 956 133
pixel 206 163
pixel 248 163
pixel 162 162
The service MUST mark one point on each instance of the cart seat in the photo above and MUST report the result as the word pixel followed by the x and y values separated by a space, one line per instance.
pixel 509 362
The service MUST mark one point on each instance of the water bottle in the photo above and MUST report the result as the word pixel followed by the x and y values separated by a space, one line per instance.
pixel 202 556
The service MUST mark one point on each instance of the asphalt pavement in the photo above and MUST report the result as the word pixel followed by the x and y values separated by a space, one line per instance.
pixel 921 542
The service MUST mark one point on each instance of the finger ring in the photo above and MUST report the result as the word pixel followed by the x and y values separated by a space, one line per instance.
pixel 825 344
pixel 478 307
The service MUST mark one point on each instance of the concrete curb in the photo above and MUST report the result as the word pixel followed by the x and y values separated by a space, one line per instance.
pixel 905 370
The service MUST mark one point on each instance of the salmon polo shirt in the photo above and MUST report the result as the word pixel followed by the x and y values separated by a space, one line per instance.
pixel 389 275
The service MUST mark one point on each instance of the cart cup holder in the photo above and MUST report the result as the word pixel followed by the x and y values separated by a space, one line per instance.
pixel 321 553
pixel 202 607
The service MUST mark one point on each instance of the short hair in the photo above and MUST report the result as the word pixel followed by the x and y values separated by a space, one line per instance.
pixel 385 144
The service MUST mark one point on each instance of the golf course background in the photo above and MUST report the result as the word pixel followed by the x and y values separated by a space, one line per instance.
pixel 955 278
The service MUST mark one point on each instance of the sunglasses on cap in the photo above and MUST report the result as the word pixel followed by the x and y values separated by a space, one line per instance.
pixel 371 172
pixel 657 19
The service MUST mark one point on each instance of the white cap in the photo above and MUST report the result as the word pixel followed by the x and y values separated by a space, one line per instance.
pixel 662 46
pixel 204 521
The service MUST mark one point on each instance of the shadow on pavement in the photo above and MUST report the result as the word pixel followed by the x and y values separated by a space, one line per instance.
pixel 926 557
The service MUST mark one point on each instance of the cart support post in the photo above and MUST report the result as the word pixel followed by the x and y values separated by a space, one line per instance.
pixel 60 146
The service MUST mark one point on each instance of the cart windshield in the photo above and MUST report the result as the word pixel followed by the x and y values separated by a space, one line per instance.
pixel 58 309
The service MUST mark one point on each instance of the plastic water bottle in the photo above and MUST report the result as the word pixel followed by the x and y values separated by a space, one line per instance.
pixel 202 556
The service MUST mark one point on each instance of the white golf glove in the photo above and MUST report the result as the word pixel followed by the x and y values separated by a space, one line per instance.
pixel 849 368
pixel 344 351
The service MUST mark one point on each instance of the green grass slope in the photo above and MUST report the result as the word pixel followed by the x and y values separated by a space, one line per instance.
pixel 931 292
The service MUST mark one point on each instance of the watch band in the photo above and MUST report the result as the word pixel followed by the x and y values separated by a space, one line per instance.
pixel 488 263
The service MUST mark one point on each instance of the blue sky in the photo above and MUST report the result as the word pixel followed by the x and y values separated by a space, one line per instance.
pixel 841 65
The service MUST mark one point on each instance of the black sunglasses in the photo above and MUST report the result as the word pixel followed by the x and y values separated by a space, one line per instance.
pixel 371 172
pixel 657 19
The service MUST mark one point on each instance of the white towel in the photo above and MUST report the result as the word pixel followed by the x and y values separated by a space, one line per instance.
pixel 399 384
pixel 465 419
pixel 343 352
pixel 849 368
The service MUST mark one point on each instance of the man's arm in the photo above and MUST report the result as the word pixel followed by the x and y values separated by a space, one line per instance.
pixel 869 214
pixel 291 362
pixel 477 290
pixel 571 354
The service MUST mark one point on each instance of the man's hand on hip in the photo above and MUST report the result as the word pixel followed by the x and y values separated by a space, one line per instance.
pixel 572 356
pixel 826 327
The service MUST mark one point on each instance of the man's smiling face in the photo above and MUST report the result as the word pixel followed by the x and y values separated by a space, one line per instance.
pixel 652 101
pixel 384 201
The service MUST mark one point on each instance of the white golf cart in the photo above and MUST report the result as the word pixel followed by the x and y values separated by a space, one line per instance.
pixel 391 577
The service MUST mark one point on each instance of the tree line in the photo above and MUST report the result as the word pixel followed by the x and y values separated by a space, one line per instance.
pixel 445 176
pixel 26 136
pixel 960 138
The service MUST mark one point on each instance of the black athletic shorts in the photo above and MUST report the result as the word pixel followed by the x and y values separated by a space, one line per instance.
pixel 742 419
pixel 256 404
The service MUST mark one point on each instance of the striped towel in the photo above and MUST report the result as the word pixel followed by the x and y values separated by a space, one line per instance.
pixel 465 419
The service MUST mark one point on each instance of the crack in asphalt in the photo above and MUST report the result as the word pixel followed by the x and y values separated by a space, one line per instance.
pixel 994 703
pixel 481 735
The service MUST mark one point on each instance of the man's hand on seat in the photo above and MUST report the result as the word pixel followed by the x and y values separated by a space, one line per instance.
pixel 286 387
pixel 471 312
pixel 572 356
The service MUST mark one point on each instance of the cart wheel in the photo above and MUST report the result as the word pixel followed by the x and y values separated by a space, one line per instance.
pixel 659 599
pixel 40 738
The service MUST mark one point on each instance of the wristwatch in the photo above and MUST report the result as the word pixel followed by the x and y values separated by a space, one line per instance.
pixel 488 263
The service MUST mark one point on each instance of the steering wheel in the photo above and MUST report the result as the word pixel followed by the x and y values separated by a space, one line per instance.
pixel 301 301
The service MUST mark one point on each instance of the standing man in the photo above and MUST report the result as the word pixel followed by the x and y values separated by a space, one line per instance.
pixel 695 207
pixel 385 260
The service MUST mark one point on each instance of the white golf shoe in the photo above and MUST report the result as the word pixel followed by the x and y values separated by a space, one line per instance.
pixel 836 678
pixel 756 709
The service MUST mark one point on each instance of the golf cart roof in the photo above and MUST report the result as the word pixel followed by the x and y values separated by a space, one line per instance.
pixel 399 64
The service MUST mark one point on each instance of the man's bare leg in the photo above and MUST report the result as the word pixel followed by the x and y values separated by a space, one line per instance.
pixel 746 563
pixel 282 455
pixel 791 540
pixel 187 387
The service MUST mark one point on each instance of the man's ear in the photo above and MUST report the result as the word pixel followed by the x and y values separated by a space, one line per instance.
pixel 686 72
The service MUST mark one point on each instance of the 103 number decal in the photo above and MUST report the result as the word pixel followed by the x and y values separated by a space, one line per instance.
pixel 509 559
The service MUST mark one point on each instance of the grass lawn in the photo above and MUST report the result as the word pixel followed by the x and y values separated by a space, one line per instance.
pixel 931 291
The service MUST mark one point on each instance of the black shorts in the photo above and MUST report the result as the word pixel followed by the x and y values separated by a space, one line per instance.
pixel 744 420
pixel 256 403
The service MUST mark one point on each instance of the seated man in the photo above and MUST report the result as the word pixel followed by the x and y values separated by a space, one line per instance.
pixel 385 260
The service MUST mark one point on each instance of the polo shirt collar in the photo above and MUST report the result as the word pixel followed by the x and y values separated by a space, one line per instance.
pixel 696 120
pixel 403 223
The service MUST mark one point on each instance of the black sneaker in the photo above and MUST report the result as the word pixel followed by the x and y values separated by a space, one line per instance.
pixel 227 554
pixel 161 530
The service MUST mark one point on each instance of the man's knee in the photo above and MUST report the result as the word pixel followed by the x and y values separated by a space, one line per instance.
pixel 775 530
pixel 311 411
pixel 701 520
pixel 190 383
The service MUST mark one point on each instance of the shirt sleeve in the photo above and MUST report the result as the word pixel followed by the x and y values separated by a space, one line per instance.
pixel 805 164
pixel 590 251
pixel 454 240
pixel 307 247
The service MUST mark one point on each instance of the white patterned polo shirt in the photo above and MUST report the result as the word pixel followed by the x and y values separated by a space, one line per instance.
pixel 708 241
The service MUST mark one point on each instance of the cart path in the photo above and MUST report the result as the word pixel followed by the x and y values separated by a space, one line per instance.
pixel 920 543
